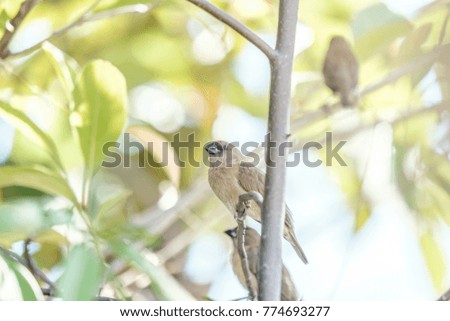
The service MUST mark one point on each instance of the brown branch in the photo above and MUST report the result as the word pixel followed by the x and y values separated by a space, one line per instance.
pixel 29 264
pixel 409 67
pixel 35 270
pixel 13 256
pixel 444 27
pixel 89 16
pixel 157 221
pixel 347 135
pixel 250 196
pixel 28 259
pixel 445 296
pixel 13 25
pixel 104 298
pixel 273 210
pixel 241 214
pixel 234 24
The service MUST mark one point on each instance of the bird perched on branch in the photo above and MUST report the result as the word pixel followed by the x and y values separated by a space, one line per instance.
pixel 252 244
pixel 340 70
pixel 230 176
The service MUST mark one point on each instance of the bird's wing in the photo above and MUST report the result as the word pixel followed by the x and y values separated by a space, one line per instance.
pixel 251 178
pixel 288 292
pixel 289 220
pixel 253 259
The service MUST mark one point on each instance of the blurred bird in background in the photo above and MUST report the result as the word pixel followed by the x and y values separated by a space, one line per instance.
pixel 252 244
pixel 230 176
pixel 340 71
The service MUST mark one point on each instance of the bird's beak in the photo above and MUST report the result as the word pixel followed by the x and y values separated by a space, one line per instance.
pixel 231 232
pixel 211 148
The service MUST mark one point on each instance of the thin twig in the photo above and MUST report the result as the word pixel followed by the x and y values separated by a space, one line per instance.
pixel 89 16
pixel 236 25
pixel 139 8
pixel 411 66
pixel 31 267
pixel 26 253
pixel 445 296
pixel 444 26
pixel 13 256
pixel 13 25
pixel 251 196
pixel 35 271
pixel 346 135
pixel 104 298
pixel 240 218
pixel 157 221
pixel 81 19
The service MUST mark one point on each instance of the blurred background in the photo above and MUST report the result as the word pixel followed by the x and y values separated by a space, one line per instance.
pixel 81 73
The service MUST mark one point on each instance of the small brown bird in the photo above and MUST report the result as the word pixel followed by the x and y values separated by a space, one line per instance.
pixel 252 244
pixel 230 176
pixel 340 70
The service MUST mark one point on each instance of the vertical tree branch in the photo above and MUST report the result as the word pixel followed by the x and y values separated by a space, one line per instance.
pixel 273 211
pixel 240 218
pixel 243 254
pixel 13 25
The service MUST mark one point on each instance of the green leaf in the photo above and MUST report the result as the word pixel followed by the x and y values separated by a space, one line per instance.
pixel 29 216
pixel 9 285
pixel 438 188
pixel 107 202
pixel 411 45
pixel 406 187
pixel 51 243
pixel 434 260
pixel 351 185
pixel 100 109
pixel 22 123
pixel 4 18
pixel 160 149
pixel 82 275
pixel 17 282
pixel 29 287
pixel 20 219
pixel 48 255
pixel 162 283
pixel 375 28
pixel 39 179
pixel 411 48
pixel 65 67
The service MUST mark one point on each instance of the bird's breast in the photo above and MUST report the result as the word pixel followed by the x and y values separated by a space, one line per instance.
pixel 225 185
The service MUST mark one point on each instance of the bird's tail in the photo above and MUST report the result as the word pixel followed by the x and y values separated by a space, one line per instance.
pixel 298 249
pixel 348 99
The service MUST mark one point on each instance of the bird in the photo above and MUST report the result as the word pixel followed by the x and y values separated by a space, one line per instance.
pixel 340 70
pixel 252 242
pixel 230 176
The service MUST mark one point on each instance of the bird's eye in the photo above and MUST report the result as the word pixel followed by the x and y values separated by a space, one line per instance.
pixel 213 148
